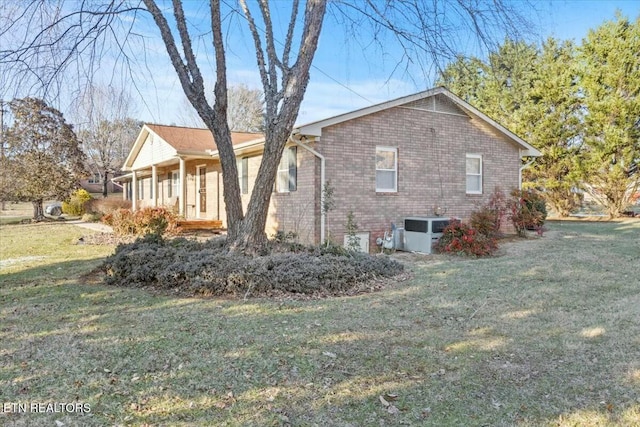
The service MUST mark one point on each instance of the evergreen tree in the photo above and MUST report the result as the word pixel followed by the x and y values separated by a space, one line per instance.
pixel 610 81
pixel 466 77
pixel 509 80
pixel 533 93
pixel 553 115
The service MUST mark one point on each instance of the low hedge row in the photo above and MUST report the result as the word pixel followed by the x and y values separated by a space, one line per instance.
pixel 207 268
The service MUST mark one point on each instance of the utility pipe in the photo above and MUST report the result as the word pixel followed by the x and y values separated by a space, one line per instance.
pixel 523 167
pixel 323 214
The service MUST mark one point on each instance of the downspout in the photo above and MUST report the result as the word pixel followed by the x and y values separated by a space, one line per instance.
pixel 523 167
pixel 323 214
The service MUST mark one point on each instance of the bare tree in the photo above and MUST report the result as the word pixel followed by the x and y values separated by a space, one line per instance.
pixel 245 112
pixel 105 129
pixel 424 30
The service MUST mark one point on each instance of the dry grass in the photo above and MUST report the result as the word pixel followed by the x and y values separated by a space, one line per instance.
pixel 547 333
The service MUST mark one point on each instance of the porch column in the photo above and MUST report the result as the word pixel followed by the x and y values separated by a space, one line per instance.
pixel 125 190
pixel 134 191
pixel 154 185
pixel 182 203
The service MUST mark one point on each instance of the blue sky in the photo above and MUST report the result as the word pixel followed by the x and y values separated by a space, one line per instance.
pixel 344 76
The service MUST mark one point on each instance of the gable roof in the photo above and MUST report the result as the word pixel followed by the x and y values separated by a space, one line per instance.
pixel 196 139
pixel 315 128
pixel 176 141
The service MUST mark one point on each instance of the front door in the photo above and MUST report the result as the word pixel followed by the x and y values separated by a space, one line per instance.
pixel 201 197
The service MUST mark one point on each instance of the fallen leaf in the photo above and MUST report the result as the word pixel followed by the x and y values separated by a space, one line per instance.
pixel 384 401
pixel 329 354
pixel 59 423
pixel 390 396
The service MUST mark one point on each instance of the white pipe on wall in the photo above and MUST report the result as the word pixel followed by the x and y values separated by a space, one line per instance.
pixel 323 215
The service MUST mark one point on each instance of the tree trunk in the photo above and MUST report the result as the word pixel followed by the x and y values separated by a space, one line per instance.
pixel 282 106
pixel 251 236
pixel 104 185
pixel 38 211
pixel 246 234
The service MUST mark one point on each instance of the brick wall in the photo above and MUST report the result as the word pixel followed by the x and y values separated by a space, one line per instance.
pixel 432 150
pixel 299 211
pixel 432 138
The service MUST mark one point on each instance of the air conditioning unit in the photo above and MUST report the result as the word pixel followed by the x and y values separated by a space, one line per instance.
pixel 420 233
pixel 398 239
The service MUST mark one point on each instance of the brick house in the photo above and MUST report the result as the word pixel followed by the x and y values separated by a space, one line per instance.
pixel 426 154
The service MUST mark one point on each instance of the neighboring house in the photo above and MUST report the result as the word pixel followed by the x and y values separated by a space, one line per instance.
pixel 93 184
pixel 426 154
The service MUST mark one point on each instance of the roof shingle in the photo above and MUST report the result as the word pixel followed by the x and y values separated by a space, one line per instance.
pixel 194 139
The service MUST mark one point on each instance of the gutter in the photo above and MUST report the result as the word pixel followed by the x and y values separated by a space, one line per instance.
pixel 323 181
pixel 237 147
pixel 523 167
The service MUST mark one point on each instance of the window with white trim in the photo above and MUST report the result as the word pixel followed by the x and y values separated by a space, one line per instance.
pixel 243 174
pixel 174 185
pixel 140 185
pixel 386 169
pixel 287 171
pixel 474 174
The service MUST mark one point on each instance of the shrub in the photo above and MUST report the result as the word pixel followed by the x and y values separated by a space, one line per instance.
pixel 188 266
pixel 487 220
pixel 106 206
pixel 351 230
pixel 462 239
pixel 160 221
pixel 76 202
pixel 528 210
pixel 91 217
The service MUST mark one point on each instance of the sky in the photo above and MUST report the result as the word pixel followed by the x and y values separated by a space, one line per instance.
pixel 344 78
pixel 348 71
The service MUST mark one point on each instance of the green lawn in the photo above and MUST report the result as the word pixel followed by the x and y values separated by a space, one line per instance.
pixel 546 333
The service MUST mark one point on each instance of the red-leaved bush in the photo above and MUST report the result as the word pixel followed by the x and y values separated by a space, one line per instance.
pixel 488 218
pixel 528 211
pixel 462 239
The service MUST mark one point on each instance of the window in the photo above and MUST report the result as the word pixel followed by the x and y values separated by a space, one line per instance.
pixel 287 171
pixel 174 184
pixel 95 179
pixel 386 170
pixel 474 174
pixel 243 174
pixel 140 189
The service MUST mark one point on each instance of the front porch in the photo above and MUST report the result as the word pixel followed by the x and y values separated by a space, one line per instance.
pixel 179 168
pixel 190 188
pixel 213 225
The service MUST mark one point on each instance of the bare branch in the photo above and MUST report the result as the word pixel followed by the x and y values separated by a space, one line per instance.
pixel 289 40
pixel 269 91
